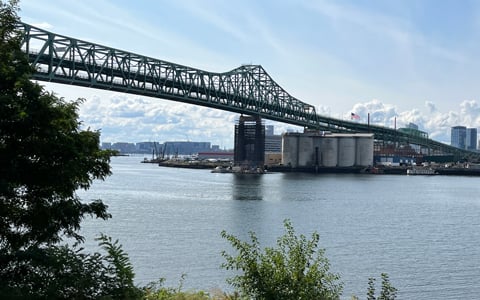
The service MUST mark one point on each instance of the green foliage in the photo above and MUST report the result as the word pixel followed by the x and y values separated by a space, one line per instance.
pixel 388 292
pixel 44 159
pixel 44 156
pixel 63 272
pixel 157 291
pixel 295 269
pixel 119 269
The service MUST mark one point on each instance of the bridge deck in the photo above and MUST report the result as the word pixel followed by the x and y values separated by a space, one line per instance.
pixel 245 90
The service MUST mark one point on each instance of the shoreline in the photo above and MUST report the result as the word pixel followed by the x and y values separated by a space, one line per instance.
pixel 380 170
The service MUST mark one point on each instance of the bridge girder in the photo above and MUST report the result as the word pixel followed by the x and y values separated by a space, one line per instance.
pixel 247 89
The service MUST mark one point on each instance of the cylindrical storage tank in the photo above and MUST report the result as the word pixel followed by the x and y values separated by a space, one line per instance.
pixel 305 151
pixel 289 150
pixel 317 150
pixel 346 151
pixel 329 151
pixel 364 155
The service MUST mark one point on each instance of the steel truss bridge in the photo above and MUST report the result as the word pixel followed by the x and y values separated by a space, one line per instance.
pixel 247 89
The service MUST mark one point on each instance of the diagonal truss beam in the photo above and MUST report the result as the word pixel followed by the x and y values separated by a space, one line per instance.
pixel 247 89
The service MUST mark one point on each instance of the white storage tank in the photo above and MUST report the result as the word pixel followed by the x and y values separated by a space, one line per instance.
pixel 364 155
pixel 346 151
pixel 289 150
pixel 329 151
pixel 305 151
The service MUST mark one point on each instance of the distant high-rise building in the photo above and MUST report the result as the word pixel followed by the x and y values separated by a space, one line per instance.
pixel 106 145
pixel 273 143
pixel 185 147
pixel 458 136
pixel 268 130
pixel 124 147
pixel 471 140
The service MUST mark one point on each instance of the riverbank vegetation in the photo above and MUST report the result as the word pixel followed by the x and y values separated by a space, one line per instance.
pixel 45 157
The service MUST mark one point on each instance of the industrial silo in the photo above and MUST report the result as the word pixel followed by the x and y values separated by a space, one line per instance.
pixel 364 152
pixel 305 151
pixel 289 150
pixel 329 151
pixel 346 151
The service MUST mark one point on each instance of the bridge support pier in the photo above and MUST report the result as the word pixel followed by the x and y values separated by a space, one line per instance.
pixel 249 149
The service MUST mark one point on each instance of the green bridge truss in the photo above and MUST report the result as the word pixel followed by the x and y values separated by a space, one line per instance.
pixel 245 90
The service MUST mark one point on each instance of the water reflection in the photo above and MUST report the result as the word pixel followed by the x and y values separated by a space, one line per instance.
pixel 398 222
pixel 247 186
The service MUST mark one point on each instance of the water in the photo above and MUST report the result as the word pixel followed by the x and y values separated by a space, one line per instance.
pixel 424 231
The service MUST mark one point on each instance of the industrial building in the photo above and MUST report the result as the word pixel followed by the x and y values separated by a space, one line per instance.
pixel 325 149
pixel 273 143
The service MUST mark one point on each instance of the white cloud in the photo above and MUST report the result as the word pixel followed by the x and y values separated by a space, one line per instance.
pixel 436 123
pixel 130 118
pixel 378 112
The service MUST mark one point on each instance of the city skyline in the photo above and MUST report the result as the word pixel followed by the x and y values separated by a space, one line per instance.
pixel 398 62
pixel 272 144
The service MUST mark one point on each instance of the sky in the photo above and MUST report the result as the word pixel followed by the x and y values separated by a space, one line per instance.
pixel 397 61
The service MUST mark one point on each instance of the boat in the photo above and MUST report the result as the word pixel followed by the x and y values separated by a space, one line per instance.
pixel 238 170
pixel 421 171
pixel 220 169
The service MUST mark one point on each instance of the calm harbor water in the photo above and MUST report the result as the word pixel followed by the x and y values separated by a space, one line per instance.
pixel 424 231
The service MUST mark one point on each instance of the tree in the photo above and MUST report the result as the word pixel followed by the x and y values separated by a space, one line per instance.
pixel 64 272
pixel 45 158
pixel 295 269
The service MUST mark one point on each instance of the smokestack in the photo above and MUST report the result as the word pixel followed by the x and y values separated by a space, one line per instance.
pixel 368 121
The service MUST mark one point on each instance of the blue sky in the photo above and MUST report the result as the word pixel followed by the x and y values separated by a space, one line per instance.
pixel 413 61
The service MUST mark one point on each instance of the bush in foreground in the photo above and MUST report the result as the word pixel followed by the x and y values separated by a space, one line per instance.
pixel 66 272
pixel 295 269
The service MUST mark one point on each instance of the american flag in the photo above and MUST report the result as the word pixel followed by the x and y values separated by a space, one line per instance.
pixel 354 116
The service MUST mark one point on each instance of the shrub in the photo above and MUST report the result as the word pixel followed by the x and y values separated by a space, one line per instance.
pixel 157 291
pixel 295 269
pixel 388 292
pixel 66 272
